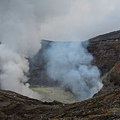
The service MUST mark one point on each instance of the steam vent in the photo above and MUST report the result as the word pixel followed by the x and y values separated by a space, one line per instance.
pixel 65 65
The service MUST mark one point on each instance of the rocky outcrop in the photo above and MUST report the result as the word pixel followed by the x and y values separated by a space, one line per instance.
pixel 111 80
pixel 114 74
pixel 108 36
pixel 106 51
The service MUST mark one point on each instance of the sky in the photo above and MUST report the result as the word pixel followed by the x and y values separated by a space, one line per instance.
pixel 65 19
pixel 82 20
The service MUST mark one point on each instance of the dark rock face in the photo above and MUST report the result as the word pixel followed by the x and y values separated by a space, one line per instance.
pixel 38 75
pixel 111 80
pixel 114 74
pixel 106 51
pixel 108 36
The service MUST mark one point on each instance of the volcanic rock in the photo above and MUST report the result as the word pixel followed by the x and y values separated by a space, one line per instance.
pixel 106 51
pixel 17 107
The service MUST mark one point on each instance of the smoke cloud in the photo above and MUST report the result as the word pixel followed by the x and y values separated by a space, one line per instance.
pixel 69 64
pixel 24 23
pixel 13 68
pixel 20 40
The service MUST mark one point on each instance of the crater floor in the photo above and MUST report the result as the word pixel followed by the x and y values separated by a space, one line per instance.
pixel 55 93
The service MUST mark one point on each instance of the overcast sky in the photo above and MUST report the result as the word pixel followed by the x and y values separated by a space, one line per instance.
pixel 65 19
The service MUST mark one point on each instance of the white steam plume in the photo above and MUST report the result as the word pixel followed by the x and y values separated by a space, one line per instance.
pixel 70 64
pixel 19 40
pixel 13 68
pixel 23 23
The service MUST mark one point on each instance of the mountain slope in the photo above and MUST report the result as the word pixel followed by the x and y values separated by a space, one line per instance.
pixel 17 107
pixel 106 51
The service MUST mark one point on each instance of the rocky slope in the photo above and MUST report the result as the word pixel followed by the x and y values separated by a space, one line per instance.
pixel 103 106
pixel 106 51
pixel 17 107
